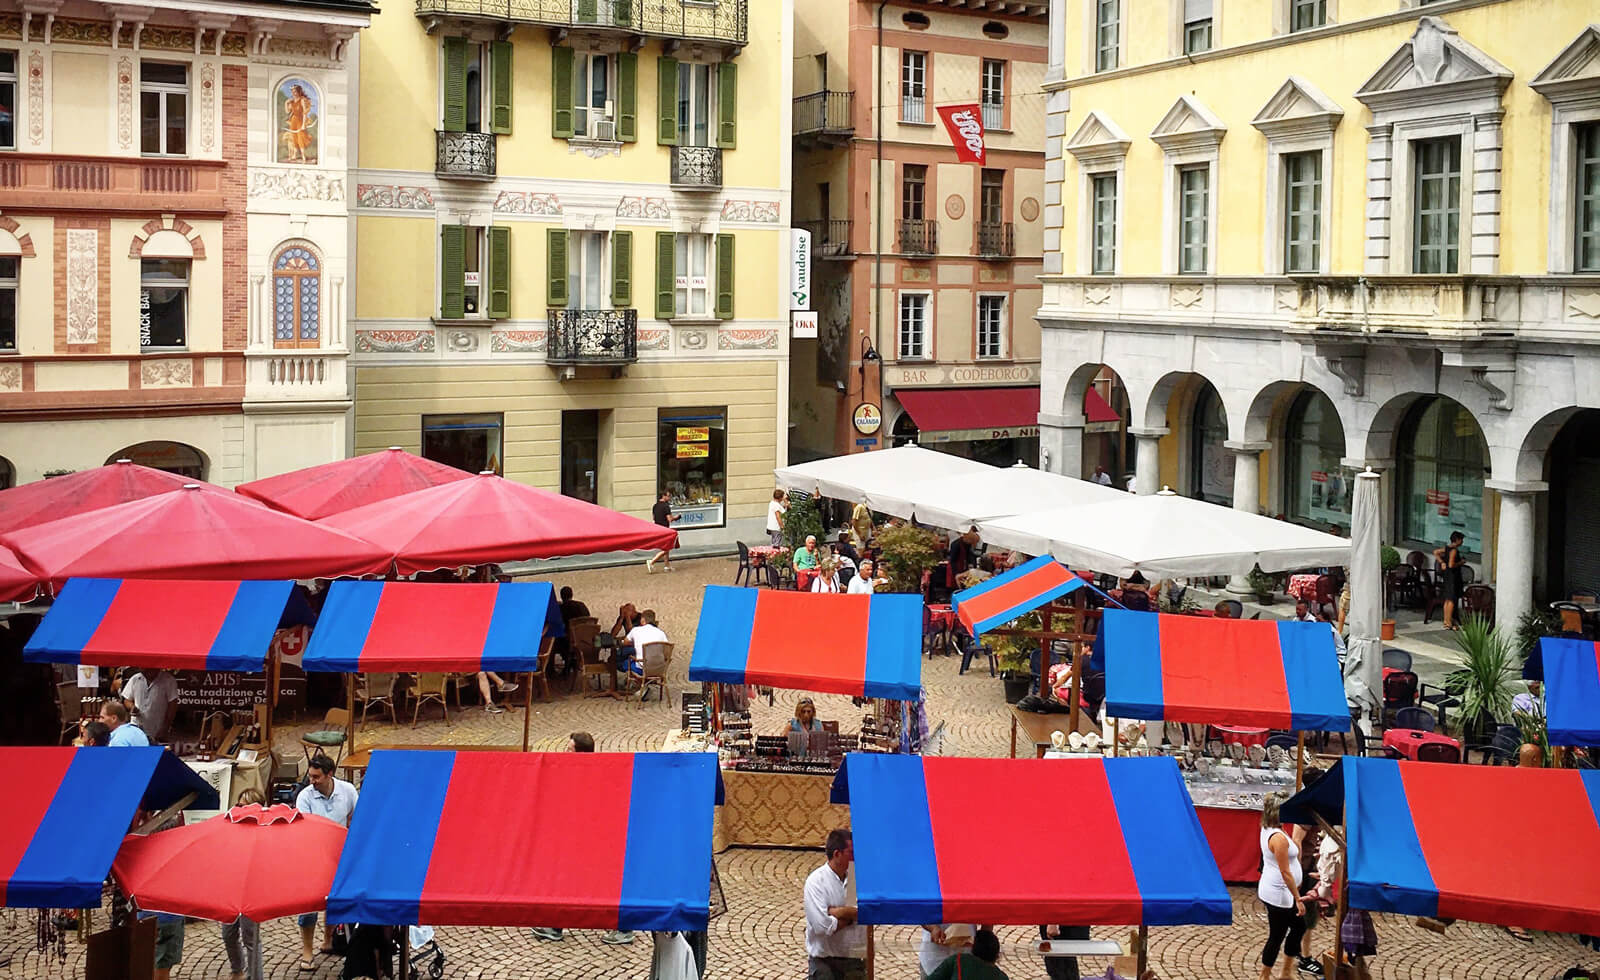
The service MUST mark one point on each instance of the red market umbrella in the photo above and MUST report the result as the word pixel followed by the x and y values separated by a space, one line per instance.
pixel 86 490
pixel 17 584
pixel 487 520
pixel 333 488
pixel 191 534
pixel 261 863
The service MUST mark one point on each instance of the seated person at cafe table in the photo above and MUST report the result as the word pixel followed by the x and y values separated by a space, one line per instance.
pixel 866 582
pixel 506 687
pixel 634 643
pixel 114 715
pixel 806 560
pixel 805 717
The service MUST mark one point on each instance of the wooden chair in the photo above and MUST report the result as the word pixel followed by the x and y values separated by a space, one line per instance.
pixel 1478 600
pixel 1571 617
pixel 331 736
pixel 70 698
pixel 651 669
pixel 584 633
pixel 430 687
pixel 376 689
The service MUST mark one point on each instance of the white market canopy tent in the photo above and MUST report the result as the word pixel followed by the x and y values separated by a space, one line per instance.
pixel 958 502
pixel 1165 536
pixel 881 478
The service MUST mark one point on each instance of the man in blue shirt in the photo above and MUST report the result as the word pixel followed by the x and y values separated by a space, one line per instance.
pixel 335 799
pixel 114 715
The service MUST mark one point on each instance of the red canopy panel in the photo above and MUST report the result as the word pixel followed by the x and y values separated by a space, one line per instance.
pixel 971 409
pixel 86 490
pixel 333 488
pixel 17 584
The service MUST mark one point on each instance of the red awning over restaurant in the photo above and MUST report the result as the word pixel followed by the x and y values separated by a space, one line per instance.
pixel 972 413
pixel 1096 410
pixel 86 490
pixel 333 488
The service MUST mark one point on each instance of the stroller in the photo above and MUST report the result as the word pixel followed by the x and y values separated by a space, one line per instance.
pixel 424 949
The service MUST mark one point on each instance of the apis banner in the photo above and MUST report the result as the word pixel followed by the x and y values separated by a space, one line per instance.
pixel 964 123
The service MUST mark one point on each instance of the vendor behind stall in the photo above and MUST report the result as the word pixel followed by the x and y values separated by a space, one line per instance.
pixel 805 717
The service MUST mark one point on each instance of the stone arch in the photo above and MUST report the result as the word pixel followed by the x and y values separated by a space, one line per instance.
pixel 168 455
pixel 1535 443
pixel 12 243
pixel 1258 422
pixel 1377 442
pixel 167 223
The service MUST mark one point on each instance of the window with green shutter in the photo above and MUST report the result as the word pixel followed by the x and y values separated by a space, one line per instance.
pixel 621 269
pixel 499 306
pixel 455 85
pixel 452 272
pixel 627 97
pixel 667 101
pixel 556 287
pixel 724 277
pixel 666 276
pixel 727 105
pixel 500 87
pixel 588 11
pixel 561 93
pixel 622 13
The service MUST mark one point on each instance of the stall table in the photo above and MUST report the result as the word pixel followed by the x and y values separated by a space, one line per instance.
pixel 776 809
pixel 1230 814
pixel 1036 728
pixel 1236 735
pixel 1406 741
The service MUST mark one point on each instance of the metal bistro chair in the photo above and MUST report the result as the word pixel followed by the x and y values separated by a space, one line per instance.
pixel 1438 752
pixel 1399 691
pixel 745 573
pixel 1396 659
pixel 1503 749
pixel 1414 719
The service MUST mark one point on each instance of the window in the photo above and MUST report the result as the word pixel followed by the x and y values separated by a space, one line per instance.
pixel 169 457
pixel 692 464
pixel 1317 489
pixel 1210 465
pixel 1437 223
pixel 1586 247
pixel 9 265
pixel 8 100
pixel 913 86
pixel 476 86
pixel 1194 205
pixel 1104 224
pixel 474 90
pixel 693 257
pixel 696 102
pixel 994 94
pixel 474 272
pixel 1107 28
pixel 1442 461
pixel 588 273
pixel 913 326
pixel 467 442
pixel 1302 211
pixel 991 326
pixel 163 303
pixel 992 197
pixel 591 90
pixel 296 298
pixel 1196 26
pixel 913 190
pixel 1306 14
pixel 163 109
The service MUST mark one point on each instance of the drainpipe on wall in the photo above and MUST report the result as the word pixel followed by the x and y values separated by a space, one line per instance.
pixel 877 245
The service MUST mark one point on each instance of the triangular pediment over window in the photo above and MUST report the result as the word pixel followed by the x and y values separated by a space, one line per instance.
pixel 1098 140
pixel 1298 108
pixel 1434 66
pixel 1576 70
pixel 1189 125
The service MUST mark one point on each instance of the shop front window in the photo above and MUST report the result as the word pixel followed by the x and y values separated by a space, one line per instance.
pixel 173 457
pixel 467 442
pixel 1317 488
pixel 1442 463
pixel 692 458
pixel 1212 465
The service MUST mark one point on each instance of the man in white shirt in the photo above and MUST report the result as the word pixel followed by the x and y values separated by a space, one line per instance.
pixel 1530 703
pixel 1101 476
pixel 864 582
pixel 832 935
pixel 151 693
pixel 645 632
pixel 330 797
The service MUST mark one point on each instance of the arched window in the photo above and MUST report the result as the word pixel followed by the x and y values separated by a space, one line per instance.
pixel 8 474
pixel 1211 466
pixel 1442 460
pixel 174 457
pixel 1316 489
pixel 905 430
pixel 296 298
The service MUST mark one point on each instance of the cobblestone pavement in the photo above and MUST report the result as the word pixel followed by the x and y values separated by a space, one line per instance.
pixel 760 936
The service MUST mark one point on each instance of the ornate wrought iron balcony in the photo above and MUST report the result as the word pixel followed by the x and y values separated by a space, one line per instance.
pixel 593 337
pixel 697 167
pixel 824 116
pixel 726 21
pixel 995 240
pixel 829 239
pixel 918 237
pixel 469 155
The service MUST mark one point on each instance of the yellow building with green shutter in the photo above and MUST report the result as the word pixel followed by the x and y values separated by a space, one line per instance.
pixel 571 247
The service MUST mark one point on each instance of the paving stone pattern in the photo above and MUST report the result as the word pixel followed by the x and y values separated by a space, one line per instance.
pixel 761 935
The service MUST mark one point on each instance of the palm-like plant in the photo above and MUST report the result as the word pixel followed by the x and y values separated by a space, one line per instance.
pixel 1484 680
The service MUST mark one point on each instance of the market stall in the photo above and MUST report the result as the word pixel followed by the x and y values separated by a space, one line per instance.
pixel 958 502
pixel 332 488
pixel 1572 690
pixel 1225 672
pixel 425 846
pixel 866 647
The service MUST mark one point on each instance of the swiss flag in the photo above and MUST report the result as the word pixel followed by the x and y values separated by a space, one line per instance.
pixel 964 123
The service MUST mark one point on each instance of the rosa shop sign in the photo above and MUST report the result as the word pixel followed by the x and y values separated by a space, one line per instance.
pixel 964 123
pixel 939 375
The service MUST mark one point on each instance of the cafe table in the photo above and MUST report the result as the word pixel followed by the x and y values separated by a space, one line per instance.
pixel 1406 741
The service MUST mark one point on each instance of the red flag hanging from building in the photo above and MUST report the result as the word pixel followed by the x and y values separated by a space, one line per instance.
pixel 964 123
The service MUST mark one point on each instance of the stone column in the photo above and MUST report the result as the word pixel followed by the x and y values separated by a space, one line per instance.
pixel 1246 491
pixel 1487 141
pixel 1147 459
pixel 1061 445
pixel 1380 166
pixel 1514 550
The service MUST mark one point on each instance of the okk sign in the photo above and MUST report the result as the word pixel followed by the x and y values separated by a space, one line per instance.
pixel 964 123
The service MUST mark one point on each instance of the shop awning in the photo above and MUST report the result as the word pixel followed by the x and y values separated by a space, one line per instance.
pixel 964 414
pixel 1417 846
pixel 392 626
pixel 958 502
pixel 333 488
pixel 1142 857
pixel 863 476
pixel 1005 597
pixel 175 625
pixel 564 840
pixel 858 645
pixel 1571 690
pixel 67 811
pixel 1097 413
pixel 1221 671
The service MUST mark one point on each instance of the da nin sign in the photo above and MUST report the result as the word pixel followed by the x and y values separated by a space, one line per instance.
pixel 868 419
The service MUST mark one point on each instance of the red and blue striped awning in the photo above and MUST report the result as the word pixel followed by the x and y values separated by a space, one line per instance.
pixel 1222 671
pixel 1417 847
pixel 391 626
pixel 1571 690
pixel 1005 597
pixel 67 811
pixel 859 645
pixel 1144 857
pixel 174 624
pixel 563 840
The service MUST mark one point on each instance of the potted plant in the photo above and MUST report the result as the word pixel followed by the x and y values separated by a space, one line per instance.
pixel 1388 561
pixel 904 553
pixel 1483 683
pixel 1015 656
pixel 1265 586
pixel 803 518
pixel 1535 751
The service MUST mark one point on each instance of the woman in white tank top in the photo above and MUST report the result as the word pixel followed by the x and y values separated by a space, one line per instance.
pixel 1279 891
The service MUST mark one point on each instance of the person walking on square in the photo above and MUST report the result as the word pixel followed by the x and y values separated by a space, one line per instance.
pixel 1279 891
pixel 334 798
pixel 662 514
pixel 832 934
pixel 1449 559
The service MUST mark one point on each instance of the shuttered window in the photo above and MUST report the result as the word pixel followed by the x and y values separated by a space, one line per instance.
pixel 500 87
pixel 667 101
pixel 452 272
pixel 621 269
pixel 725 277
pixel 556 273
pixel 727 105
pixel 561 73
pixel 627 96
pixel 666 269
pixel 499 305
pixel 453 117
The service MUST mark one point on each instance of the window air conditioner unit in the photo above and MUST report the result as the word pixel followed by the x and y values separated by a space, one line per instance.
pixel 604 126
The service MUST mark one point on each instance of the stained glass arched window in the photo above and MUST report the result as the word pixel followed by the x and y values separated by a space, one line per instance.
pixel 296 298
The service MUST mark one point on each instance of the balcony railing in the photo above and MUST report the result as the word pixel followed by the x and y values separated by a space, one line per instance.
pixel 695 20
pixel 111 183
pixel 824 114
pixel 470 155
pixel 697 167
pixel 918 237
pixel 829 239
pixel 593 337
pixel 995 240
